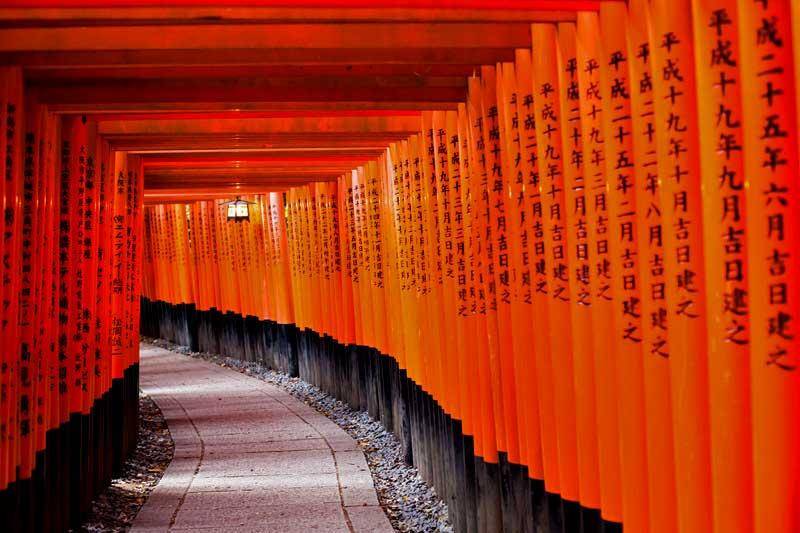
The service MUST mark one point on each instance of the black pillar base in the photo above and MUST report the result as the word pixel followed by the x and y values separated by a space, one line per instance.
pixel 76 463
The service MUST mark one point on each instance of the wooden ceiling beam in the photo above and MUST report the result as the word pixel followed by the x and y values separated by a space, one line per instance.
pixel 286 72
pixel 243 171
pixel 276 181
pixel 255 80
pixel 188 176
pixel 342 35
pixel 362 55
pixel 553 11
pixel 254 89
pixel 135 72
pixel 296 126
pixel 280 180
pixel 219 196
pixel 191 175
pixel 233 93
pixel 345 154
pixel 246 115
pixel 234 173
pixel 273 109
pixel 242 174
pixel 306 152
pixel 171 143
pixel 308 164
pixel 283 181
pixel 213 193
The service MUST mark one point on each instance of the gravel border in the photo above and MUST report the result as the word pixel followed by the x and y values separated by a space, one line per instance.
pixel 116 507
pixel 410 504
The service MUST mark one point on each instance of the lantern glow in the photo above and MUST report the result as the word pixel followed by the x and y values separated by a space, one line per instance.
pixel 238 210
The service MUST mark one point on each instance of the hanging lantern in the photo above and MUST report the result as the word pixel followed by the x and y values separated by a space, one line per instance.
pixel 238 210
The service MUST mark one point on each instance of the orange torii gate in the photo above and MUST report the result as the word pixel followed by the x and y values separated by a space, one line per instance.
pixel 558 260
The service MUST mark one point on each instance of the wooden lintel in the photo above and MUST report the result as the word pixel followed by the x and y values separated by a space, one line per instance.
pixel 297 125
pixel 547 11
pixel 343 35
pixel 122 93
pixel 364 55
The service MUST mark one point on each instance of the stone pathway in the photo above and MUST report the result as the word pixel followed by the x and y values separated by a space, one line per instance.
pixel 250 457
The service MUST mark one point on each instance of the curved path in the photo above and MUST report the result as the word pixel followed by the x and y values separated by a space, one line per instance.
pixel 250 457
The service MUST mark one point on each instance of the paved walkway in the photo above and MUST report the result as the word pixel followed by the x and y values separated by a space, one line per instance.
pixel 250 457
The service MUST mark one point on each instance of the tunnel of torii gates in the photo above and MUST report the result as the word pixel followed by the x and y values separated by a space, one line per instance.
pixel 552 245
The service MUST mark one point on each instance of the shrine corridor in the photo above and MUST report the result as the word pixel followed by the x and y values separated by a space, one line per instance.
pixel 550 247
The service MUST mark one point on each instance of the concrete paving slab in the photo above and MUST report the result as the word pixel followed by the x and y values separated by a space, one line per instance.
pixel 340 443
pixel 235 463
pixel 244 483
pixel 355 492
pixel 221 427
pixel 258 497
pixel 369 519
pixel 284 445
pixel 250 457
pixel 274 436
pixel 296 517
pixel 352 462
